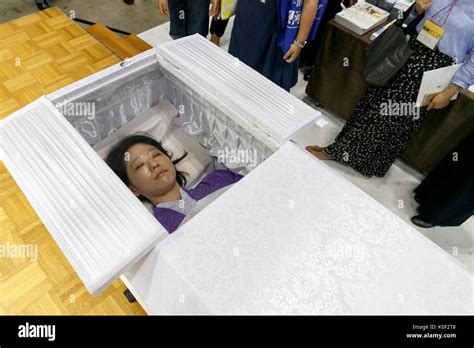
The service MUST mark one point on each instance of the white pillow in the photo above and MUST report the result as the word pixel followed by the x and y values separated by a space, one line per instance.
pixel 158 122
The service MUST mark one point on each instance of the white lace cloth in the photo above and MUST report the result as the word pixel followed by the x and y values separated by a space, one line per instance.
pixel 296 238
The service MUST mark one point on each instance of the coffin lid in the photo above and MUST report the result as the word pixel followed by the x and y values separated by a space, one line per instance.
pixel 96 221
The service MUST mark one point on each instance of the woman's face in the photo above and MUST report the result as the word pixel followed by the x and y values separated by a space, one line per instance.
pixel 151 172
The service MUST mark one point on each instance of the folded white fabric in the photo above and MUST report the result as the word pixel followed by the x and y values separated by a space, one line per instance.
pixel 97 222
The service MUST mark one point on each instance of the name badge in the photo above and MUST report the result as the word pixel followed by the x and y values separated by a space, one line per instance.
pixel 430 34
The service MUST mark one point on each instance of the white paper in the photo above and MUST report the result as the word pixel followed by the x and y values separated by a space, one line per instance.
pixel 436 81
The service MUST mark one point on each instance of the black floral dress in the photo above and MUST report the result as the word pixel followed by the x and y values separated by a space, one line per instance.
pixel 386 118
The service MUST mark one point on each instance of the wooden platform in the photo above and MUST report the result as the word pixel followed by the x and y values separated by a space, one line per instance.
pixel 40 53
pixel 137 42
pixel 114 43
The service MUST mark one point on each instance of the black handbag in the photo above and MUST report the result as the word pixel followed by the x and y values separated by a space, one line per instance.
pixel 388 53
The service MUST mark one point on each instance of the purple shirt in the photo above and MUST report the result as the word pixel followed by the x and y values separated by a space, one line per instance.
pixel 171 219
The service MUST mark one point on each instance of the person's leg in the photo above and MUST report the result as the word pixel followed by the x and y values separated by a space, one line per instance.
pixel 177 11
pixel 450 204
pixel 218 27
pixel 434 179
pixel 360 138
pixel 447 193
pixel 318 152
pixel 252 33
pixel 42 4
pixel 198 17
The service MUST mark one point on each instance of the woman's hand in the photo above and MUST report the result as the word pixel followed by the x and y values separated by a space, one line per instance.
pixel 292 53
pixel 215 8
pixel 422 5
pixel 442 99
pixel 163 7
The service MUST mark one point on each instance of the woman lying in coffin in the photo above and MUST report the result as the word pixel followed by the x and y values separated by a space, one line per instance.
pixel 150 173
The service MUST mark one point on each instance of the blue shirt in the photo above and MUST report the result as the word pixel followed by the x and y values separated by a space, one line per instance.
pixel 458 39
pixel 289 18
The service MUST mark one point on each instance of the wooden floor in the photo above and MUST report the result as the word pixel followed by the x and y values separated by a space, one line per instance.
pixel 40 53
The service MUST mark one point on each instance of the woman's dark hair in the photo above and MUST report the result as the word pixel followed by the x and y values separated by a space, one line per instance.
pixel 116 157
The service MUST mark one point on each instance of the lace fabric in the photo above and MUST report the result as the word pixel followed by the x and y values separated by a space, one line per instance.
pixel 282 241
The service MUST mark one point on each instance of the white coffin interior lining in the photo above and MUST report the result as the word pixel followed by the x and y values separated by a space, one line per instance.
pixel 99 225
pixel 222 102
pixel 123 98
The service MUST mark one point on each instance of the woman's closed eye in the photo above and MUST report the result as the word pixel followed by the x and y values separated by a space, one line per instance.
pixel 140 165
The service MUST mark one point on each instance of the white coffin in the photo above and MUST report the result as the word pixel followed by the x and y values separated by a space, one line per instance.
pixel 96 221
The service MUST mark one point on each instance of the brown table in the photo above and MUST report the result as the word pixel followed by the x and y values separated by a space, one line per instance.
pixel 337 83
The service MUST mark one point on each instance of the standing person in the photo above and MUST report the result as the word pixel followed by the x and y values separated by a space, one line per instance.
pixel 371 140
pixel 310 51
pixel 268 35
pixel 188 17
pixel 446 196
